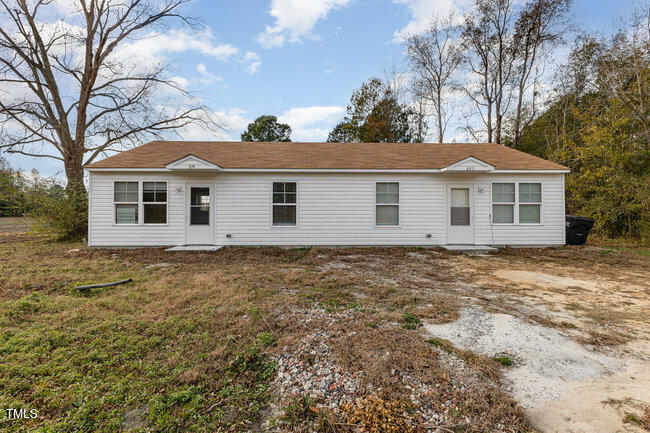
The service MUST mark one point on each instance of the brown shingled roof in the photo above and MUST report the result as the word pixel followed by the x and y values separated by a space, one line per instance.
pixel 363 156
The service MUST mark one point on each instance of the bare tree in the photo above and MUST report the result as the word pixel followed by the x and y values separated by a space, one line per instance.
pixel 409 93
pixel 624 68
pixel 488 40
pixel 434 57
pixel 540 25
pixel 68 93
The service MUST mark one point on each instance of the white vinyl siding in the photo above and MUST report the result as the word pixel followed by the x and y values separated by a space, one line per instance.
pixel 550 230
pixel 334 209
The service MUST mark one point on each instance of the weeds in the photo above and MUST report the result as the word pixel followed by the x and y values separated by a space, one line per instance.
pixel 411 321
pixel 377 415
pixel 299 410
pixel 503 360
pixel 265 339
pixel 633 411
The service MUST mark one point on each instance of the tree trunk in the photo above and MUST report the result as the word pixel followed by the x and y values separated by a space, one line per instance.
pixel 74 170
pixel 518 118
pixel 489 123
pixel 439 114
pixel 498 131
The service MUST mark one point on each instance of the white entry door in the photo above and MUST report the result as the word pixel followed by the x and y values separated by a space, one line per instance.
pixel 199 218
pixel 460 214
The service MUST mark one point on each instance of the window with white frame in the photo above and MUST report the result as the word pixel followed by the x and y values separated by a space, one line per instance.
pixel 503 203
pixel 154 201
pixel 530 203
pixel 387 203
pixel 125 197
pixel 284 203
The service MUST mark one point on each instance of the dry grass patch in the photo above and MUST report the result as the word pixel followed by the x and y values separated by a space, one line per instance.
pixel 633 411
pixel 190 345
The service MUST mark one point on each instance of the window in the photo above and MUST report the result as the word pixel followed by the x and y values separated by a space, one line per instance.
pixel 503 203
pixel 125 197
pixel 154 199
pixel 530 203
pixel 199 206
pixel 460 207
pixel 284 203
pixel 387 203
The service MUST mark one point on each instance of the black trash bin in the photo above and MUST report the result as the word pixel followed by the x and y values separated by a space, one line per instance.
pixel 577 229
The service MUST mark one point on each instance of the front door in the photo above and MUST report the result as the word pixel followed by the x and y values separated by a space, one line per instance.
pixel 460 214
pixel 199 218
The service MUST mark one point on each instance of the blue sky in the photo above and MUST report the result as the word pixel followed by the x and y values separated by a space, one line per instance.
pixel 298 59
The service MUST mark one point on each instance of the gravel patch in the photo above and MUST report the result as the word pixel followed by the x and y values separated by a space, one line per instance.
pixel 546 364
pixel 311 368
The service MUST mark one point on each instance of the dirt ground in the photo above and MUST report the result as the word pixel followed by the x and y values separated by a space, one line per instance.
pixel 550 340
pixel 574 321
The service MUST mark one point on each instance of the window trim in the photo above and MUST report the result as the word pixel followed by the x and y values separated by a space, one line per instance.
pixel 512 203
pixel 516 203
pixel 140 203
pixel 540 203
pixel 136 203
pixel 284 226
pixel 398 204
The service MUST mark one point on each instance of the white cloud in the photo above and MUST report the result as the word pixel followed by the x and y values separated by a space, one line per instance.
pixel 254 61
pixel 253 67
pixel 181 82
pixel 207 77
pixel 311 123
pixel 233 121
pixel 421 13
pixel 153 48
pixel 295 20
pixel 175 41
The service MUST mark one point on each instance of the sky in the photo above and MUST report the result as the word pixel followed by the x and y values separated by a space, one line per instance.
pixel 297 59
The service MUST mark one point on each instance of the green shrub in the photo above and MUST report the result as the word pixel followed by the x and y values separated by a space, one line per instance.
pixel 12 194
pixel 57 212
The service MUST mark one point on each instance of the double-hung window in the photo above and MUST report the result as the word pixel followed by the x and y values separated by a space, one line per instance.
pixel 503 203
pixel 530 203
pixel 284 203
pixel 154 200
pixel 129 204
pixel 125 197
pixel 524 196
pixel 387 203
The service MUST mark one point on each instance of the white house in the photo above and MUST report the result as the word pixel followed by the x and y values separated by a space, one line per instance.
pixel 168 193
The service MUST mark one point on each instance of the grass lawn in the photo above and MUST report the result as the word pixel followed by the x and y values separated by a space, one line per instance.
pixel 199 341
pixel 190 344
pixel 14 225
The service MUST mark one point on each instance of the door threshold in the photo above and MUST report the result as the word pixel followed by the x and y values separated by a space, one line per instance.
pixel 195 248
pixel 471 248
